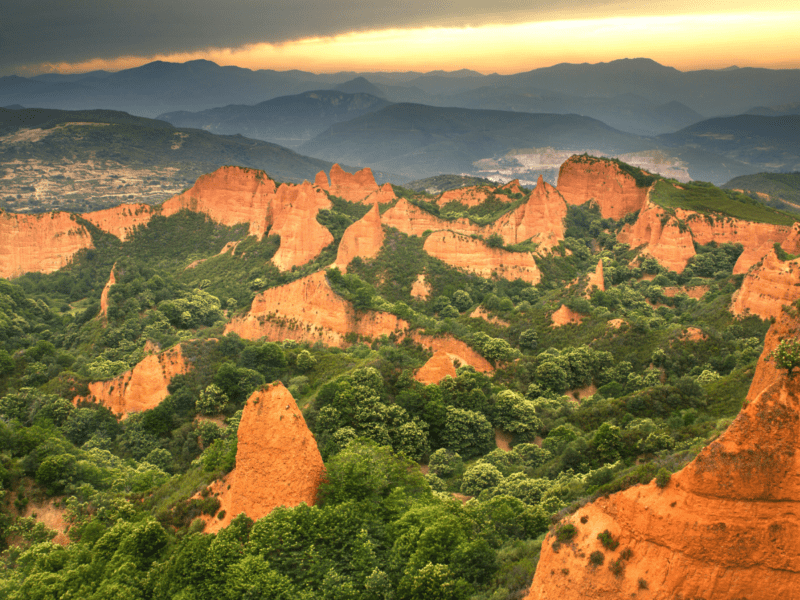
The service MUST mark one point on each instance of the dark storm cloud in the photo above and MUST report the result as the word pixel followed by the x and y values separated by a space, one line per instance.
pixel 51 31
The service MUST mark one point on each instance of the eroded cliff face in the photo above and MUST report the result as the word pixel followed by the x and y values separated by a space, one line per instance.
pixel 724 527
pixel 104 294
pixel 421 289
pixel 540 219
pixel 363 238
pixel 768 287
pixel 384 195
pixel 294 218
pixel 615 192
pixel 412 220
pixel 437 368
pixel 309 310
pixel 473 255
pixel 229 195
pixel 40 243
pixel 277 460
pixel 468 196
pixel 565 316
pixel 121 221
pixel 596 279
pixel 355 187
pixel 141 388
pixel 661 236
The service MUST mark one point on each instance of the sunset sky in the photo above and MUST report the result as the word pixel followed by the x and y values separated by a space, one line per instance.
pixel 336 35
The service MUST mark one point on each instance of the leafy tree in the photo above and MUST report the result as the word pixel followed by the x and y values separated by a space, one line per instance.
pixel 787 355
pixel 479 477
pixel 462 300
pixel 467 433
pixel 528 339
pixel 445 463
pixel 212 400
pixel 305 361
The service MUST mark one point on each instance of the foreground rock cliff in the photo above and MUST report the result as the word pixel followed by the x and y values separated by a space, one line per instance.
pixel 277 459
pixel 725 527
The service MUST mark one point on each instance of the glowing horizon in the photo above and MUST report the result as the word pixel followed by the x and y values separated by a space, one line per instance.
pixel 685 42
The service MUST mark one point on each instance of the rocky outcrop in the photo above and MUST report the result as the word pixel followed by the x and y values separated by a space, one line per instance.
pixel 468 196
pixel 294 218
pixel 421 289
pixel 540 219
pixel 354 187
pixel 768 287
pixel 724 527
pixel 412 220
pixel 363 238
pixel 513 187
pixel 121 221
pixel 141 388
pixel 40 243
pixel 321 181
pixel 661 236
pixel 596 279
pixel 229 195
pixel 384 195
pixel 277 460
pixel 309 310
pixel 481 313
pixel 565 316
pixel 475 256
pixel 455 348
pixel 437 368
pixel 582 179
pixel 104 294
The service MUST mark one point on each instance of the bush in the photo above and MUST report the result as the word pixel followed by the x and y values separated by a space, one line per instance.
pixel 607 540
pixel 662 477
pixel 596 558
pixel 787 355
pixel 480 477
pixel 566 533
pixel 445 463
pixel 617 567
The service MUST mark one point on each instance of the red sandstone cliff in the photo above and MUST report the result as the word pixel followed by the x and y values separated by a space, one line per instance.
pixel 596 279
pixel 412 220
pixel 468 196
pixel 421 289
pixel 277 459
pixel 141 388
pixel 767 287
pixel 582 179
pixel 540 219
pixel 229 195
pixel 363 238
pixel 724 527
pixel 437 368
pixel 662 236
pixel 475 256
pixel 121 221
pixel 384 195
pixel 294 218
pixel 40 243
pixel 104 294
pixel 354 187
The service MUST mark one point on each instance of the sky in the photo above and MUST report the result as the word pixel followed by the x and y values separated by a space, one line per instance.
pixel 504 36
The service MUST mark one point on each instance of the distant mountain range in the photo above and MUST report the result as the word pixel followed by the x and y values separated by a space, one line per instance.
pixel 634 95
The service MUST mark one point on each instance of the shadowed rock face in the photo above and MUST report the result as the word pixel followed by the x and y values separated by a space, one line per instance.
pixel 540 219
pixel 141 388
pixel 277 459
pixel 294 219
pixel 615 192
pixel 661 237
pixel 724 527
pixel 476 257
pixel 768 287
pixel 39 243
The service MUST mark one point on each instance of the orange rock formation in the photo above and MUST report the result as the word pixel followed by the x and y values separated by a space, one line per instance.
pixel 468 196
pixel 321 181
pixel 437 368
pixel 363 238
pixel 480 313
pixel 353 188
pixel 294 218
pixel 229 195
pixel 121 221
pixel 455 348
pixel 421 289
pixel 384 195
pixel 596 279
pixel 724 527
pixel 581 180
pixel 513 187
pixel 412 220
pixel 540 219
pixel 104 294
pixel 141 388
pixel 40 243
pixel 662 236
pixel 277 459
pixel 565 316
pixel 473 255
pixel 767 287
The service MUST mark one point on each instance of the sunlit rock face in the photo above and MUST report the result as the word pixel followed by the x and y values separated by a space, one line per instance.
pixel 767 287
pixel 724 527
pixel 364 238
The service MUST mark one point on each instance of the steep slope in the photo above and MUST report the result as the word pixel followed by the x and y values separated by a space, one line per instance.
pixel 540 219
pixel 768 287
pixel 363 238
pixel 40 243
pixel 277 460
pixel 104 294
pixel 596 279
pixel 121 221
pixel 294 218
pixel 724 527
pixel 141 388
pixel 412 220
pixel 475 256
pixel 353 187
pixel 582 179
pixel 437 368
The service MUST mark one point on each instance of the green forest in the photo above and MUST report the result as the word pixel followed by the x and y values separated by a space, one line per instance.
pixel 419 502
